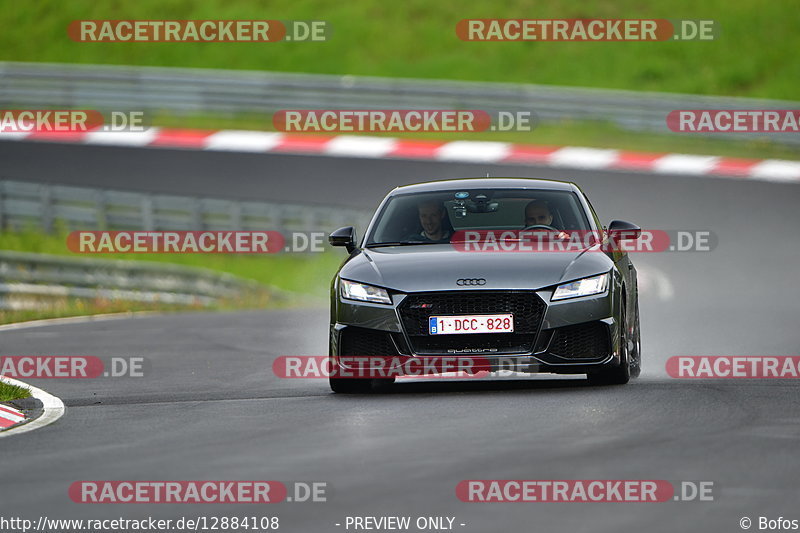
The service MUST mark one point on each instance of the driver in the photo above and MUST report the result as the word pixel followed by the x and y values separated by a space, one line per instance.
pixel 537 213
pixel 432 218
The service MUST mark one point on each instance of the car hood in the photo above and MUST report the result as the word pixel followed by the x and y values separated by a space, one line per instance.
pixel 436 267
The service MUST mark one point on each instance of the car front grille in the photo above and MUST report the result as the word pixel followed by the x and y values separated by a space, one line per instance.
pixel 526 306
pixel 583 341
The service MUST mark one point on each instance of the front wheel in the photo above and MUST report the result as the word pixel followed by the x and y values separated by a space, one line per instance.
pixel 636 347
pixel 621 373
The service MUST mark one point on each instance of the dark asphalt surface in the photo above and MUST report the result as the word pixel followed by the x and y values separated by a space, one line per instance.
pixel 210 407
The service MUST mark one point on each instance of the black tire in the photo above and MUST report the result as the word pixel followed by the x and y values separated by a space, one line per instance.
pixel 619 374
pixel 636 348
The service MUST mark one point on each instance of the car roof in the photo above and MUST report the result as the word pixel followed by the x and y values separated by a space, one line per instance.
pixel 486 183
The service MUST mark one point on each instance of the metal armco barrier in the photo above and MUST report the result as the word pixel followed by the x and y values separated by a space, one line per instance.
pixel 32 281
pixel 182 91
pixel 43 206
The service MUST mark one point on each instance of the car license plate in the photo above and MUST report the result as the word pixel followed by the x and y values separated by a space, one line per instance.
pixel 448 325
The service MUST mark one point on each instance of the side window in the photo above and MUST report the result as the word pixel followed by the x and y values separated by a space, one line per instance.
pixel 594 215
pixel 597 221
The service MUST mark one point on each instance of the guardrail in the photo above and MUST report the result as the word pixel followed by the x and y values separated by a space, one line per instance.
pixel 182 91
pixel 34 281
pixel 45 206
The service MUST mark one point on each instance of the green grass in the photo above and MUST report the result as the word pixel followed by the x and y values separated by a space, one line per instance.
pixel 10 392
pixel 754 55
pixel 305 276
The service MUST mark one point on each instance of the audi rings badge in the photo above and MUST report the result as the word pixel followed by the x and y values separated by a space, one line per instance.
pixel 470 282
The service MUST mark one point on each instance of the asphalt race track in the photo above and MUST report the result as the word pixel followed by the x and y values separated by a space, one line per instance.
pixel 211 408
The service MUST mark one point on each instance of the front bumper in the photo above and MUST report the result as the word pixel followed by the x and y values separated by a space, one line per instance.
pixel 573 336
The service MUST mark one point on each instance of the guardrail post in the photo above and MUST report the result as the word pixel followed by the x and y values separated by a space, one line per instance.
pixel 277 213
pixel 310 219
pixel 235 214
pixel 46 207
pixel 148 221
pixel 101 208
pixel 197 215
pixel 2 204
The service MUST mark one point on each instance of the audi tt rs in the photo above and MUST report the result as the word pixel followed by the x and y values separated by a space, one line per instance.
pixel 516 273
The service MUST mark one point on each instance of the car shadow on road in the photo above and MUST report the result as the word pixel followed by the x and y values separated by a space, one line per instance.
pixel 493 386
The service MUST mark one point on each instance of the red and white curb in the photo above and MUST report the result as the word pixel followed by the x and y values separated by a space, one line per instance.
pixel 53 409
pixel 10 416
pixel 776 170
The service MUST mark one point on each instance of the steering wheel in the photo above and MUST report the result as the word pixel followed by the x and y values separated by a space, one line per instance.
pixel 541 226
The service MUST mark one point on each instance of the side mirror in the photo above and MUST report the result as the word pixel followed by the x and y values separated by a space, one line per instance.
pixel 621 230
pixel 344 237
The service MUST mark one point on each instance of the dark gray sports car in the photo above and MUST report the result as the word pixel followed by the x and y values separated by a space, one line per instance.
pixel 516 273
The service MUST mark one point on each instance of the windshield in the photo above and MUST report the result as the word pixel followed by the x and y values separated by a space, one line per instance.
pixel 426 218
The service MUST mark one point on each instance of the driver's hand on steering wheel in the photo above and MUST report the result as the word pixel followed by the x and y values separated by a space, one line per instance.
pixel 559 234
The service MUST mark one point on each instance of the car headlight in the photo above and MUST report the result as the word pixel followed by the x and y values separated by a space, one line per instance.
pixel 582 287
pixel 363 293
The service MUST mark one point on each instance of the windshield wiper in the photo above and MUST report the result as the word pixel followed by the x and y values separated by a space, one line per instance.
pixel 399 243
